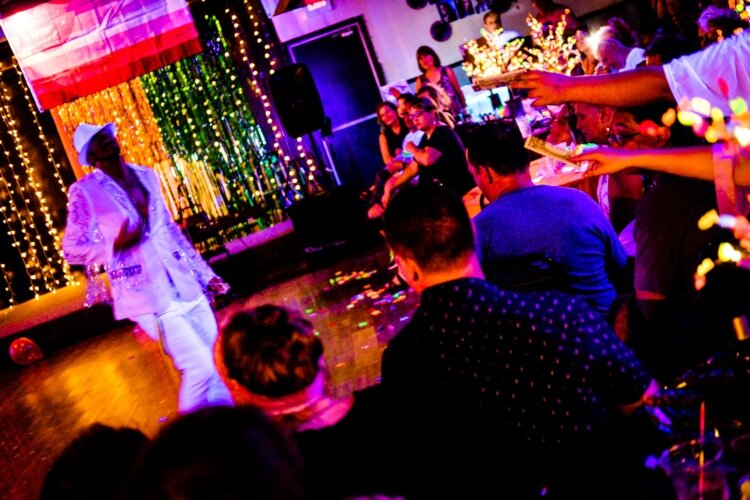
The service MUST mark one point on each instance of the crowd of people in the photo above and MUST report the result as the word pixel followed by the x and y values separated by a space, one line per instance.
pixel 547 326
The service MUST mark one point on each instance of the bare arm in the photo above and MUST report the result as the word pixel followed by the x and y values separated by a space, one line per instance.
pixel 425 156
pixel 456 86
pixel 629 88
pixel 695 162
pixel 384 152
pixel 398 180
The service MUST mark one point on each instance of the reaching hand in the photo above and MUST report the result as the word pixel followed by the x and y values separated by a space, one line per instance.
pixel 544 88
pixel 604 160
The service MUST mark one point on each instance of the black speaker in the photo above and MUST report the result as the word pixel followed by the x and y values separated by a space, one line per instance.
pixel 296 100
pixel 331 225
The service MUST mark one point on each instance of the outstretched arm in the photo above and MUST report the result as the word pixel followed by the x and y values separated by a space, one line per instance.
pixel 695 162
pixel 628 88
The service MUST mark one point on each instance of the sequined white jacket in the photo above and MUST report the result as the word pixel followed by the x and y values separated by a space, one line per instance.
pixel 141 277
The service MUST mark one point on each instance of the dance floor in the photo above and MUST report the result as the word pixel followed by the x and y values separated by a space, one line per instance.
pixel 121 378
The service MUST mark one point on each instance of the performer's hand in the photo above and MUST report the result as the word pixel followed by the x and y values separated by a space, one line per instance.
pixel 128 237
pixel 218 286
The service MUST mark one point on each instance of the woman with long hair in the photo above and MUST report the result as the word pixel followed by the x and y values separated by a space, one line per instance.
pixel 441 76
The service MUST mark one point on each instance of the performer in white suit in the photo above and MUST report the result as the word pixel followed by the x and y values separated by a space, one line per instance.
pixel 117 217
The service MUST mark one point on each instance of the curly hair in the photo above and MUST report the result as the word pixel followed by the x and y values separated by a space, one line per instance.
pixel 271 351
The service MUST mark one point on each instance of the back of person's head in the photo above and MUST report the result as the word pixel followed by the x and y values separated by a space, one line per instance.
pixel 407 98
pixel 426 50
pixel 424 104
pixel 498 146
pixel 271 351
pixel 429 224
pixel 219 452
pixel 666 47
pixel 94 465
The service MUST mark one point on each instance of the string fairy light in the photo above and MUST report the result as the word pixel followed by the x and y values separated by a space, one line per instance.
pixel 218 148
pixel 299 169
pixel 25 209
pixel 492 58
pixel 551 51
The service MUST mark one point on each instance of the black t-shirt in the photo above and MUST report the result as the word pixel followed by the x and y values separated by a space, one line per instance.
pixel 395 141
pixel 451 169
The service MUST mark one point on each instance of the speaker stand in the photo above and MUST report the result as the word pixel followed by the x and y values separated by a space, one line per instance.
pixel 330 164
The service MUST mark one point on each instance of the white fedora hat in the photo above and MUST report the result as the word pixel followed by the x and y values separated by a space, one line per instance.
pixel 83 135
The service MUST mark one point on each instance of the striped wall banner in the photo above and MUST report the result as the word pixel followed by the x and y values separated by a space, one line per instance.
pixel 70 49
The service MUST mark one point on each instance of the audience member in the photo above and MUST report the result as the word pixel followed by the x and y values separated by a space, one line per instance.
pixel 614 56
pixel 550 13
pixel 219 452
pixel 493 373
pixel 392 131
pixel 440 158
pixel 433 72
pixel 617 194
pixel 442 103
pixel 270 357
pixel 716 23
pixel 523 219
pixel 671 326
pixel 560 131
pixel 95 465
pixel 493 23
pixel 665 47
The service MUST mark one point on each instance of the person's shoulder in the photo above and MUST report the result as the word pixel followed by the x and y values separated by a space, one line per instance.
pixel 557 305
pixel 88 180
pixel 140 168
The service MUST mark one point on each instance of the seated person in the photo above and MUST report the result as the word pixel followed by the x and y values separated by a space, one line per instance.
pixel 489 393
pixel 393 130
pixel 269 357
pixel 563 224
pixel 442 103
pixel 440 157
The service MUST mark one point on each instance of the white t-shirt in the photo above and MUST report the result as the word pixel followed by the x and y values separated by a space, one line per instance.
pixel 697 75
pixel 635 57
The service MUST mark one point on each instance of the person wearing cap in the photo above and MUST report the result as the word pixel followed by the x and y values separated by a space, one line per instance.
pixel 117 217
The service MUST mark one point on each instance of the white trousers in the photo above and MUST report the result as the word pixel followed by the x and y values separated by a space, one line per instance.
pixel 188 331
